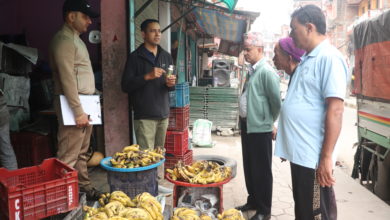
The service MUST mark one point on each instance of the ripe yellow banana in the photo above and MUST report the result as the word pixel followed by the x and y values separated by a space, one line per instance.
pixel 134 147
pixel 205 217
pixel 117 218
pixel 136 214
pixel 149 209
pixel 174 217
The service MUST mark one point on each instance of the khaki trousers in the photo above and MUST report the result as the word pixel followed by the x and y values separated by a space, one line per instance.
pixel 73 144
pixel 150 133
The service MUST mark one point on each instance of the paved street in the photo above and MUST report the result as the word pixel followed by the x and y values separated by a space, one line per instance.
pixel 353 200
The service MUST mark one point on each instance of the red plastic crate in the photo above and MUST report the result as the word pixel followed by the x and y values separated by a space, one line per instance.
pixel 176 142
pixel 39 191
pixel 179 118
pixel 31 148
pixel 171 160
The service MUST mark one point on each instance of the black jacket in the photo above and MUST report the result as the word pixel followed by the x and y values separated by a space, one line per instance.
pixel 149 99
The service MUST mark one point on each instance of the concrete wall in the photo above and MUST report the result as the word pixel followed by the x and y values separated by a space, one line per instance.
pixel 114 54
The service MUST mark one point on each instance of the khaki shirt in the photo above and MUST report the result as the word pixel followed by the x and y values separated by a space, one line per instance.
pixel 71 66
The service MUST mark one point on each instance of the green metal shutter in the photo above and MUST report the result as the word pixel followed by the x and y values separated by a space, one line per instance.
pixel 181 56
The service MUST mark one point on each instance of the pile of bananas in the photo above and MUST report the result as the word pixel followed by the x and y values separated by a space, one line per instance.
pixel 188 214
pixel 231 214
pixel 200 172
pixel 132 157
pixel 118 206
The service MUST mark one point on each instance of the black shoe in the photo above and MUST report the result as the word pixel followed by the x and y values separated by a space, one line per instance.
pixel 259 216
pixel 246 207
pixel 92 193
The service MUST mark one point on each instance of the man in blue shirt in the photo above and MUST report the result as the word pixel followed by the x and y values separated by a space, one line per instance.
pixel 311 116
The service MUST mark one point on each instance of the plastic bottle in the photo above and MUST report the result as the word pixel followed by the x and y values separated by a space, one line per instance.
pixel 170 70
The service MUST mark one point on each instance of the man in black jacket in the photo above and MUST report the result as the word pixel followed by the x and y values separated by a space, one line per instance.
pixel 148 85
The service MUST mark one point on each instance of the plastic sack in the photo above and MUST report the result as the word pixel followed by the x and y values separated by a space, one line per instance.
pixel 201 133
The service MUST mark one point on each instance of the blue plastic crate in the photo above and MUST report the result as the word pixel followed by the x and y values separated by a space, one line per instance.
pixel 181 96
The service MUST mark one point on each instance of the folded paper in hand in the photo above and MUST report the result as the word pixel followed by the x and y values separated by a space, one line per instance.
pixel 91 106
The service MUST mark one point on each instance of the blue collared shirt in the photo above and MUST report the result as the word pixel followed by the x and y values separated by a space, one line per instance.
pixel 321 74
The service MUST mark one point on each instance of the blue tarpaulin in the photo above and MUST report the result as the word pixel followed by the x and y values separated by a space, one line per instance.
pixel 220 25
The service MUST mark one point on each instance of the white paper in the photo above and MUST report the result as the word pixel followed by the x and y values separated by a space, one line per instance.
pixel 91 106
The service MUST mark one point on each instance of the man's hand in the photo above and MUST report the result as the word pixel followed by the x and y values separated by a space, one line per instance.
pixel 325 172
pixel 274 132
pixel 333 122
pixel 82 121
pixel 170 80
pixel 155 73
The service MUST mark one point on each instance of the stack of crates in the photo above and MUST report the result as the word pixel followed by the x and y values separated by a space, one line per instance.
pixel 176 141
pixel 218 104
pixel 39 191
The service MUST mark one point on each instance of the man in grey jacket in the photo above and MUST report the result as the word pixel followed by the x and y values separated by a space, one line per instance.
pixel 73 75
pixel 259 107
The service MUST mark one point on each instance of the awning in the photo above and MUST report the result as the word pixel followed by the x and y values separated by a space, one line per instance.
pixel 225 26
pixel 231 4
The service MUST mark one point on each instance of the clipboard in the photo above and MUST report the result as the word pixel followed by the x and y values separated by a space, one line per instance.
pixel 91 106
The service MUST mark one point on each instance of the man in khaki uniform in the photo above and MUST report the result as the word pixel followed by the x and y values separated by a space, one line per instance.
pixel 73 75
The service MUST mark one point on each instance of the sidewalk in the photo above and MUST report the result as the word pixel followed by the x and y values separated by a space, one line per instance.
pixel 353 200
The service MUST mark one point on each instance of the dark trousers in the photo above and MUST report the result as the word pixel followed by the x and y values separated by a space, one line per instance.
pixel 312 202
pixel 257 160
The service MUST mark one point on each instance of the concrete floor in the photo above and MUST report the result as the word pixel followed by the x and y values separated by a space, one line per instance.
pixel 354 201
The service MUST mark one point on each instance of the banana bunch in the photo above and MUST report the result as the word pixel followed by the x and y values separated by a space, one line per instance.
pixel 205 217
pixel 104 199
pixel 185 214
pixel 110 210
pixel 231 214
pixel 136 214
pixel 132 157
pixel 200 172
pixel 94 213
pixel 150 204
pixel 119 206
